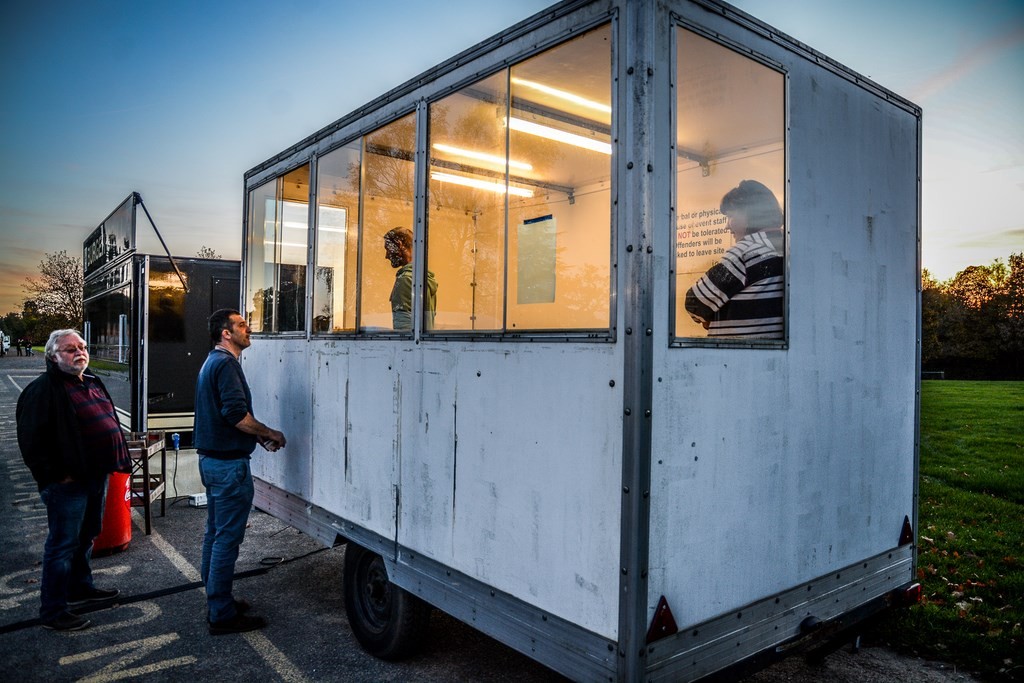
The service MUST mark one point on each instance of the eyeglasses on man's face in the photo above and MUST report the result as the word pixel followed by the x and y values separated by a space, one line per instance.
pixel 72 350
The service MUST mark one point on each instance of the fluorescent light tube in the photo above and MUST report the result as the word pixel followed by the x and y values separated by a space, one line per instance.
pixel 563 94
pixel 480 184
pixel 557 135
pixel 483 156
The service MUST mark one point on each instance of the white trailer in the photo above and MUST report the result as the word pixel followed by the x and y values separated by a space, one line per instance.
pixel 563 448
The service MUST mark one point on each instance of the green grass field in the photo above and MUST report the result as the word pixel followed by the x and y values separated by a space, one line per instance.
pixel 971 530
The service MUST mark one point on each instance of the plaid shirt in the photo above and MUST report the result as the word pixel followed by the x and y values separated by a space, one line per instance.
pixel 102 438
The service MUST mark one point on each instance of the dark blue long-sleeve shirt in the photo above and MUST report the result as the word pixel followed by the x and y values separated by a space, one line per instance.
pixel 222 400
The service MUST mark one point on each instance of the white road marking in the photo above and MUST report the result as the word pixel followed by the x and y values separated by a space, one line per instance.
pixel 259 642
pixel 176 558
pixel 117 670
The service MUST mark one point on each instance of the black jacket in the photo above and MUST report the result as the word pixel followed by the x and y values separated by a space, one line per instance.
pixel 48 434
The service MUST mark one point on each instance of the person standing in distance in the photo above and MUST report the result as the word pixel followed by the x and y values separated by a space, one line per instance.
pixel 71 440
pixel 225 435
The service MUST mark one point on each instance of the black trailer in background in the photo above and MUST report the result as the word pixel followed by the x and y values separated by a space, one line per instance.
pixel 145 322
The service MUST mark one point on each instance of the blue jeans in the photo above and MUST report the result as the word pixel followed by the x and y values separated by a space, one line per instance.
pixel 74 513
pixel 229 493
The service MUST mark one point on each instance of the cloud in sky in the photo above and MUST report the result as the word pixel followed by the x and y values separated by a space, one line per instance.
pixel 984 54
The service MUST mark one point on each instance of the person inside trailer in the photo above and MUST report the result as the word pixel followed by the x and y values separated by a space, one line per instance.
pixel 398 250
pixel 741 296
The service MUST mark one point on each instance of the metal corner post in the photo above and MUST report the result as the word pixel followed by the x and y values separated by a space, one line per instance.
pixel 635 70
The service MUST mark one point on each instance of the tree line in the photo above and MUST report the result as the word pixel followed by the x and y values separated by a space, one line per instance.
pixel 972 325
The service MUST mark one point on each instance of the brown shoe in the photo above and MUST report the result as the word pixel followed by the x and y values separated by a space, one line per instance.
pixel 240 623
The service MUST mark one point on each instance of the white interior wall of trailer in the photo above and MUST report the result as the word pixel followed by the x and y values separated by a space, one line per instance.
pixel 773 467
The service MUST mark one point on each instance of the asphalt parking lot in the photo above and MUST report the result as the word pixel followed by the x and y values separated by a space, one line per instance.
pixel 157 628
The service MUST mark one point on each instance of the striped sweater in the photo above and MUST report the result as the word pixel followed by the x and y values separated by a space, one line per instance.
pixel 742 295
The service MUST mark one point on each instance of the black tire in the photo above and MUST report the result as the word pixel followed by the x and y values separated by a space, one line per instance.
pixel 388 621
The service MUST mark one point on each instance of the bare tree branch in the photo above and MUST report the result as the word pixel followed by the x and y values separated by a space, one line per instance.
pixel 58 290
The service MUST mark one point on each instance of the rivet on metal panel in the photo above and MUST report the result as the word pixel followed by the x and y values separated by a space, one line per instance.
pixel 648 331
pixel 629 247
pixel 647 413
pixel 650 168
pixel 650 71
pixel 625 489
pixel 611 383
pixel 629 71
pixel 625 571
pixel 629 164
pixel 477 373
pixel 629 330
pixel 650 249
pixel 628 411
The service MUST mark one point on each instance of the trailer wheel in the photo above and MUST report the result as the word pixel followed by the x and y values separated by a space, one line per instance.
pixel 388 621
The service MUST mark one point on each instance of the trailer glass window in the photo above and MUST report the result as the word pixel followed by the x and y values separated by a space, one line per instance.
pixel 337 240
pixel 276 256
pixel 519 231
pixel 730 194
pixel 364 219
pixel 388 195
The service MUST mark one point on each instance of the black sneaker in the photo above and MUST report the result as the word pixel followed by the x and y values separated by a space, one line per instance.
pixel 66 621
pixel 240 623
pixel 241 607
pixel 91 596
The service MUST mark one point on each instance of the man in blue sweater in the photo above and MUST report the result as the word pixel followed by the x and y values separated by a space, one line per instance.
pixel 226 434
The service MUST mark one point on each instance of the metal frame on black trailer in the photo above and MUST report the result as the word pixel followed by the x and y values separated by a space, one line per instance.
pixel 143 350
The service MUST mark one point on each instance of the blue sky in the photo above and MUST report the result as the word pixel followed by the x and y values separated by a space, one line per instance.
pixel 176 100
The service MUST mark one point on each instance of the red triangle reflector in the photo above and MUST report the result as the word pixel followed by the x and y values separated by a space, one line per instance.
pixel 663 624
pixel 907 535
